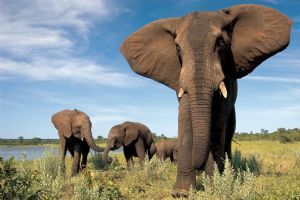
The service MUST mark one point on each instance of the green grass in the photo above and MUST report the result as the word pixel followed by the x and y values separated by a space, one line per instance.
pixel 260 170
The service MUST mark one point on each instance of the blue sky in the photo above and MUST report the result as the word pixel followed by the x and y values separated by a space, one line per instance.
pixel 57 55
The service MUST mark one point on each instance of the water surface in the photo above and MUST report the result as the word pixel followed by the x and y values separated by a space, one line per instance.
pixel 32 152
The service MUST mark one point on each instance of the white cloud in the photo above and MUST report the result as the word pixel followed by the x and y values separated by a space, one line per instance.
pixel 31 25
pixel 37 40
pixel 289 60
pixel 75 70
pixel 273 79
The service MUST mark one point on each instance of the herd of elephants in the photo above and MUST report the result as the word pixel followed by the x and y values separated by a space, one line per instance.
pixel 200 56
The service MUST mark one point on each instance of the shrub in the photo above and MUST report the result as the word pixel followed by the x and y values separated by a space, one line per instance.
pixel 240 163
pixel 89 186
pixel 100 164
pixel 16 183
pixel 228 185
pixel 97 161
pixel 84 190
pixel 285 139
pixel 51 178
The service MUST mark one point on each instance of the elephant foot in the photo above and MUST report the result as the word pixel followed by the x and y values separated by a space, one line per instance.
pixel 183 185
pixel 180 194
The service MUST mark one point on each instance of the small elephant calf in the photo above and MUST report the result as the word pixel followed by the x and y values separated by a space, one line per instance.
pixel 135 138
pixel 167 149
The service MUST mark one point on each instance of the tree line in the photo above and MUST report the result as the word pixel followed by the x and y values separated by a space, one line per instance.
pixel 281 134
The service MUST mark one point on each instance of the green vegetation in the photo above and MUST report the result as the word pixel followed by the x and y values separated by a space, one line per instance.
pixel 33 141
pixel 281 134
pixel 230 184
pixel 38 141
pixel 259 170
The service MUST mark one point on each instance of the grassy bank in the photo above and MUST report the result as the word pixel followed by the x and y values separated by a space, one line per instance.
pixel 274 174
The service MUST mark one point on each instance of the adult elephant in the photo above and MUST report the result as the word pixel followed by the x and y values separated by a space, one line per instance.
pixel 135 138
pixel 167 149
pixel 74 130
pixel 200 56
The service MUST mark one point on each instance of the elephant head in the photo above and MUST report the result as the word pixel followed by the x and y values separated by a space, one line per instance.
pixel 118 136
pixel 195 54
pixel 76 123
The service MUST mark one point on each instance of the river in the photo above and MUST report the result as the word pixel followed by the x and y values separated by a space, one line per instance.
pixel 31 152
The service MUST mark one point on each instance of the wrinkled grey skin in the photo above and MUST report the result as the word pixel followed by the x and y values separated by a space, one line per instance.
pixel 197 56
pixel 167 149
pixel 135 138
pixel 74 130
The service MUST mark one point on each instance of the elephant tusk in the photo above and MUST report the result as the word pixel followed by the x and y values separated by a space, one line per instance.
pixel 223 89
pixel 180 93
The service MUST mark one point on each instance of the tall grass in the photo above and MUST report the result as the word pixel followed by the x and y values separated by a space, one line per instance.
pixel 230 184
pixel 243 163
pixel 259 170
pixel 153 180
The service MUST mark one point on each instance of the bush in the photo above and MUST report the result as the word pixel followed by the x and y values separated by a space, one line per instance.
pixel 240 163
pixel 228 185
pixel 51 178
pixel 97 161
pixel 90 185
pixel 16 183
pixel 285 139
pixel 100 164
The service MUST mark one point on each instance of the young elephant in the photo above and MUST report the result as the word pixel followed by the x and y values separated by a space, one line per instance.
pixel 135 138
pixel 167 149
pixel 74 130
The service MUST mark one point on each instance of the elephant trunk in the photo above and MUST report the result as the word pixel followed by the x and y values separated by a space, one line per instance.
pixel 106 151
pixel 200 88
pixel 87 134
pixel 201 111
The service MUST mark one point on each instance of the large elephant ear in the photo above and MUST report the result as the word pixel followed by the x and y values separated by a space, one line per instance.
pixel 63 123
pixel 151 52
pixel 258 32
pixel 131 134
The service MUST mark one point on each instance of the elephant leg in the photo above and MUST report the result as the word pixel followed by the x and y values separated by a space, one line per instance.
pixel 151 151
pixel 140 150
pixel 128 157
pixel 209 165
pixel 217 145
pixel 83 161
pixel 172 158
pixel 175 156
pixel 163 157
pixel 63 149
pixel 70 148
pixel 186 174
pixel 159 155
pixel 76 160
pixel 85 152
pixel 229 133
